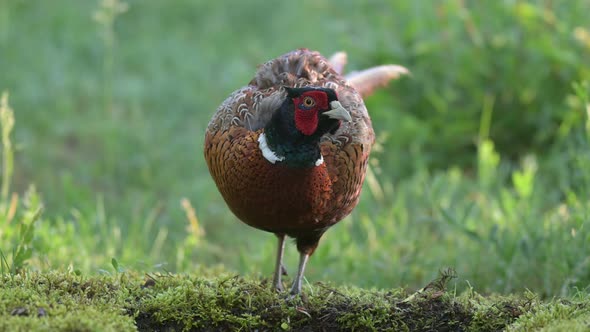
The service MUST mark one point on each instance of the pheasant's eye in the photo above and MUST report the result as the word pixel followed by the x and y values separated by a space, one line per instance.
pixel 308 102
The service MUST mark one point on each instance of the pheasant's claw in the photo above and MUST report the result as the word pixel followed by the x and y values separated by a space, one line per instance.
pixel 279 288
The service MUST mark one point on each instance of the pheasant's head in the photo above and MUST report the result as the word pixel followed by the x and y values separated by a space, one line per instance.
pixel 316 110
pixel 293 134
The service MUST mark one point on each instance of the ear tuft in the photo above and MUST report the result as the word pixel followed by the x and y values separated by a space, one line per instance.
pixel 291 92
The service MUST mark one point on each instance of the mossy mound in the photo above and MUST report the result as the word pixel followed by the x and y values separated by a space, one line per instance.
pixel 128 301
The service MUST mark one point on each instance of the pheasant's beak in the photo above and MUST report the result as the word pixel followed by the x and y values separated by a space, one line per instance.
pixel 338 112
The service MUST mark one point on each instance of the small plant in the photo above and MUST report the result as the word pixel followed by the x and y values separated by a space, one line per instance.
pixel 22 249
pixel 106 16
pixel 7 124
pixel 582 90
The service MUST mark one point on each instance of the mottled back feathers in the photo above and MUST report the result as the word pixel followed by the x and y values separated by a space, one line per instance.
pixel 251 107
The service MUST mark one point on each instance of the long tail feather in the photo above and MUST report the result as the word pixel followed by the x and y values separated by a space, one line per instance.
pixel 366 81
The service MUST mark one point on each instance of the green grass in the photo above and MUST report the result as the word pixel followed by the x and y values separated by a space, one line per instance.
pixel 482 162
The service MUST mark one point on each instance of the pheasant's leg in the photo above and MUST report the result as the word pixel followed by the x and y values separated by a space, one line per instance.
pixel 306 245
pixel 277 284
pixel 296 288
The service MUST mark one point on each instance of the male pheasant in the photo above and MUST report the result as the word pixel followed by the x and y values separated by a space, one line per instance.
pixel 289 151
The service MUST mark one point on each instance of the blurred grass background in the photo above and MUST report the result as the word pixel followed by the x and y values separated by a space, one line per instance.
pixel 482 161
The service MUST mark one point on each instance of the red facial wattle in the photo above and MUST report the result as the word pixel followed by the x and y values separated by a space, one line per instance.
pixel 307 117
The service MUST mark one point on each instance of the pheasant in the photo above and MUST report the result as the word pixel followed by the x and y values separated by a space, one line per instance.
pixel 289 151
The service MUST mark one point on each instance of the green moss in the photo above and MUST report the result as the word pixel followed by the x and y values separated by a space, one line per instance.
pixel 561 315
pixel 64 302
pixel 129 301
